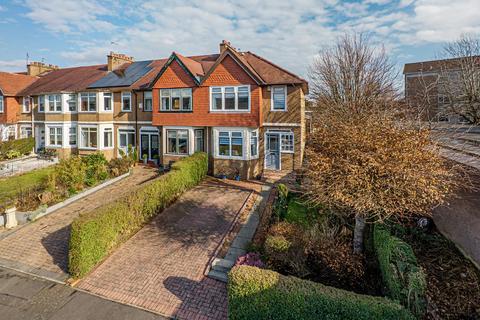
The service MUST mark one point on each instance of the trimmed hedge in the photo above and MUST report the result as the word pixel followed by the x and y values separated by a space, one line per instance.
pixel 404 279
pixel 23 146
pixel 95 233
pixel 255 293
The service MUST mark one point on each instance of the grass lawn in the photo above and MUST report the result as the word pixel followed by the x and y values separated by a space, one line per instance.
pixel 299 212
pixel 10 186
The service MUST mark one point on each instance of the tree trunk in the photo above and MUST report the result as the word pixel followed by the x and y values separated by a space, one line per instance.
pixel 358 234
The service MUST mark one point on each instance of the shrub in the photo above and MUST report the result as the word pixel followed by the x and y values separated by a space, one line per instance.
pixel 119 166
pixel 404 279
pixel 95 233
pixel 255 293
pixel 276 244
pixel 281 203
pixel 96 168
pixel 250 259
pixel 71 174
pixel 20 146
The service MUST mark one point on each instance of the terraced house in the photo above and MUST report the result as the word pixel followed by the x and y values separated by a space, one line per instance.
pixel 246 112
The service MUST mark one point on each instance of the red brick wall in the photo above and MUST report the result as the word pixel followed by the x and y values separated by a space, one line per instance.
pixel 11 110
pixel 227 73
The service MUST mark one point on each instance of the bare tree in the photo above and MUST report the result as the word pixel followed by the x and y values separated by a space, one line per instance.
pixel 459 81
pixel 361 158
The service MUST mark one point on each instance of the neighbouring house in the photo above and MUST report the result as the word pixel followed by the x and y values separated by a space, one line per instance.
pixel 247 113
pixel 430 88
pixel 15 110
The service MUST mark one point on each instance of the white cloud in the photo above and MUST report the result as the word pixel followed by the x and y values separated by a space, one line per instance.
pixel 69 16
pixel 13 65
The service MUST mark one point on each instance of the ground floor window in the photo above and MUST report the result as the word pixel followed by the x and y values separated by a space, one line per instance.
pixel 230 143
pixel 88 137
pixel 199 144
pixel 287 142
pixel 254 143
pixel 126 137
pixel 177 141
pixel 55 136
pixel 72 136
pixel 25 132
pixel 108 138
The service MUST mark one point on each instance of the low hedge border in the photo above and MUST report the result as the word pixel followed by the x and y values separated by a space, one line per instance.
pixel 95 233
pixel 405 280
pixel 255 293
pixel 22 146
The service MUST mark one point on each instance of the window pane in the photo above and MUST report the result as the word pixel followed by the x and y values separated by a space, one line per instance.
pixel 84 102
pixel 217 101
pixel 217 90
pixel 72 136
pixel 107 138
pixel 107 101
pixel 186 103
pixel 253 144
pixel 165 103
pixel 279 98
pixel 52 136
pixel 126 101
pixel 229 100
pixel 175 103
pixel 243 100
pixel 93 137
pixel 123 140
pixel 58 103
pixel 198 140
pixel 147 101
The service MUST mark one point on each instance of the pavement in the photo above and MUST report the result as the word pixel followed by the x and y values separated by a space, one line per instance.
pixel 162 267
pixel 25 297
pixel 41 247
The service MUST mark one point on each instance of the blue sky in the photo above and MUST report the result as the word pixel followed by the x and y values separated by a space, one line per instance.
pixel 289 33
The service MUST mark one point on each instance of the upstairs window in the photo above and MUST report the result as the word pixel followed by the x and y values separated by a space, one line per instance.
pixel 72 102
pixel 41 103
pixel 176 99
pixel 279 98
pixel 230 99
pixel 26 105
pixel 88 102
pixel 230 143
pixel 126 101
pixel 107 101
pixel 147 101
pixel 1 104
pixel 55 103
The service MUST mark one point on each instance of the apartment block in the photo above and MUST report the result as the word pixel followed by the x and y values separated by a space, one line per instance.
pixel 247 113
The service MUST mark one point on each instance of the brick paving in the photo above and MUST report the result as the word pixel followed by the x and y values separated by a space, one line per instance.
pixel 41 247
pixel 162 267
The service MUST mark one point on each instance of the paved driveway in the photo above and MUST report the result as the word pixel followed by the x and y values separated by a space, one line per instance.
pixel 162 267
pixel 41 247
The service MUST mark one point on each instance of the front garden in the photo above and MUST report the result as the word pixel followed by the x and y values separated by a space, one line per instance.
pixel 16 148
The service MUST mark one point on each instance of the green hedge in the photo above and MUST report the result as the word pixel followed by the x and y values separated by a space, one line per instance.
pixel 95 233
pixel 404 279
pixel 255 293
pixel 22 146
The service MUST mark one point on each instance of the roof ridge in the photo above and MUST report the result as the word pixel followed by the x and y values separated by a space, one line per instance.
pixel 276 66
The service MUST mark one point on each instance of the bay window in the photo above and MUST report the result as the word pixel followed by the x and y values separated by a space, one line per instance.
pixel 108 138
pixel 230 143
pixel 88 137
pixel 177 141
pixel 230 99
pixel 72 102
pixel 126 137
pixel 107 101
pixel 176 99
pixel 54 103
pixel 147 101
pixel 199 140
pixel 1 104
pixel 126 101
pixel 279 98
pixel 25 132
pixel 88 102
pixel 55 136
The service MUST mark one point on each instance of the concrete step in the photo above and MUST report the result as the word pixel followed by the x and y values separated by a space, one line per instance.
pixel 222 265
pixel 217 275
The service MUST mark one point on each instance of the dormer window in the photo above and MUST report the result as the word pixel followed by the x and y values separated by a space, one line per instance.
pixel 230 99
pixel 176 99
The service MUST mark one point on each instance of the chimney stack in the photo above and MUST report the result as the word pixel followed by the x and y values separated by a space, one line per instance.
pixel 224 45
pixel 37 68
pixel 115 60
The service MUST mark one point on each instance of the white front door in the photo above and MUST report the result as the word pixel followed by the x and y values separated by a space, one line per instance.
pixel 39 138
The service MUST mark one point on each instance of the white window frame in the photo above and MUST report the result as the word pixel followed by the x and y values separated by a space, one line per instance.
pixel 229 156
pixel 129 95
pixel 176 153
pixel 235 110
pixel 254 134
pixel 80 143
pixel 26 105
pixel 104 142
pixel 282 146
pixel 108 96
pixel 272 105
pixel 144 101
pixel 69 100
pixel 23 128
pixel 127 131
pixel 58 143
pixel 43 105
pixel 89 96
pixel 2 105
pixel 181 95
pixel 57 101
pixel 197 137
pixel 70 134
